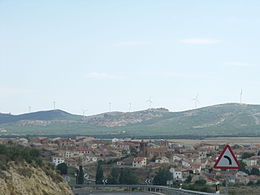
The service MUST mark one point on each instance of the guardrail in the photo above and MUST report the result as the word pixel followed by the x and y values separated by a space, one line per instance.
pixel 148 188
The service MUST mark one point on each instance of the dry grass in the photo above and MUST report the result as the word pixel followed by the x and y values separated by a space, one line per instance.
pixel 249 190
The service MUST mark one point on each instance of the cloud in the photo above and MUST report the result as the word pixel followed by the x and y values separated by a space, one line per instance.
pixel 101 75
pixel 132 43
pixel 200 41
pixel 179 75
pixel 239 64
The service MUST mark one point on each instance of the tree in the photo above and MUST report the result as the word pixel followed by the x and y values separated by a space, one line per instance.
pixel 114 176
pixel 247 155
pixel 243 167
pixel 63 168
pixel 236 146
pixel 133 151
pixel 127 177
pixel 99 173
pixel 200 182
pixel 189 178
pixel 80 176
pixel 255 171
pixel 162 176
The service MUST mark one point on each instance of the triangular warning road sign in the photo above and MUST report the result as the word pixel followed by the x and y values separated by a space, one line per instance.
pixel 227 160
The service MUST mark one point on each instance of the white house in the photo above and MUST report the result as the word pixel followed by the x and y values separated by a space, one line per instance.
pixel 114 140
pixel 185 163
pixel 177 175
pixel 57 160
pixel 68 154
pixel 94 159
pixel 139 162
pixel 162 160
pixel 203 154
pixel 252 161
pixel 177 157
pixel 196 168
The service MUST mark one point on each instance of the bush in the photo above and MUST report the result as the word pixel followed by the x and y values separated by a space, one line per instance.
pixel 194 187
pixel 255 171
pixel 127 177
pixel 189 179
pixel 162 176
pixel 63 168
pixel 20 154
pixel 26 172
pixel 247 155
pixel 200 182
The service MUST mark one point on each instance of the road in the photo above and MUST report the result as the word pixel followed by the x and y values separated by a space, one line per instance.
pixel 89 192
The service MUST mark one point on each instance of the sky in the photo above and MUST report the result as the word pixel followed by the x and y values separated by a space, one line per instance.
pixel 94 56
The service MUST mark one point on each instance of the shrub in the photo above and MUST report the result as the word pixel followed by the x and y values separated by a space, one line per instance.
pixel 20 154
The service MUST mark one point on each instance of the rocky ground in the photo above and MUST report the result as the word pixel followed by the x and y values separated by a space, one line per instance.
pixel 25 179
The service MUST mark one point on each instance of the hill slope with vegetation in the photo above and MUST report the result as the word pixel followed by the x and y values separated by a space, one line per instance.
pixel 22 171
pixel 219 120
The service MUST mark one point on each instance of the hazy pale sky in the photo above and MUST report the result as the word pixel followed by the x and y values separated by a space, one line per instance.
pixel 83 54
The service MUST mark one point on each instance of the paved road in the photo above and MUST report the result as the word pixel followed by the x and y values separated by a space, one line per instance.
pixel 88 192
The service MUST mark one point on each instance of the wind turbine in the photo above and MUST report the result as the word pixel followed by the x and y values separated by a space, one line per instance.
pixel 109 106
pixel 84 113
pixel 241 93
pixel 150 102
pixel 196 100
pixel 29 109
pixel 130 107
pixel 54 105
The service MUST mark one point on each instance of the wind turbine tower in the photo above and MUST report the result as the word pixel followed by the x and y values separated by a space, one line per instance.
pixel 109 106
pixel 130 107
pixel 84 113
pixel 241 94
pixel 54 105
pixel 150 102
pixel 196 100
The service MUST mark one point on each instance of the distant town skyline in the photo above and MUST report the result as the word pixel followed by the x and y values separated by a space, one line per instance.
pixel 95 56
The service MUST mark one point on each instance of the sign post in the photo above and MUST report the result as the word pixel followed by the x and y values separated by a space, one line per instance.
pixel 217 187
pixel 226 160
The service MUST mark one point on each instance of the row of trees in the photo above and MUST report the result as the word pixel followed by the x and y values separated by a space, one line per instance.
pixel 117 175
pixel 122 176
pixel 63 170
pixel 127 176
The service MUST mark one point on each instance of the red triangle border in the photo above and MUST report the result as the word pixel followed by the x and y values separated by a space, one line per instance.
pixel 224 150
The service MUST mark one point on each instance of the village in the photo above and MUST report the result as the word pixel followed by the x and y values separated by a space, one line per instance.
pixel 186 162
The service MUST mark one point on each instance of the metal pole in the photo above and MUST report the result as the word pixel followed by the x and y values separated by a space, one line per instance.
pixel 227 181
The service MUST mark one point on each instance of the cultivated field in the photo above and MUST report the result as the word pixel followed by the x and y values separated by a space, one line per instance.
pixel 220 140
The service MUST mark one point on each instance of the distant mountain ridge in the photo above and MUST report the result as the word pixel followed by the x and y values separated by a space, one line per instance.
pixel 41 115
pixel 116 119
pixel 218 120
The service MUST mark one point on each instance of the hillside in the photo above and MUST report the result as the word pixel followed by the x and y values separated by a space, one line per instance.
pixel 42 115
pixel 23 172
pixel 219 120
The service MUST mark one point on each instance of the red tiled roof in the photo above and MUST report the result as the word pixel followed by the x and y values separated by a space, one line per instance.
pixel 138 159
